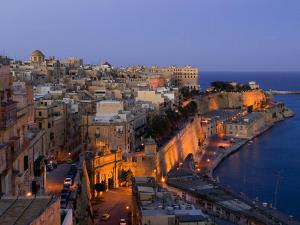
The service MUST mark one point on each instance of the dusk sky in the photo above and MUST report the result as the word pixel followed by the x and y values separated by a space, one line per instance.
pixel 215 35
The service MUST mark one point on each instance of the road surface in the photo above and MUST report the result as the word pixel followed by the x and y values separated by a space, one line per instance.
pixel 55 178
pixel 115 203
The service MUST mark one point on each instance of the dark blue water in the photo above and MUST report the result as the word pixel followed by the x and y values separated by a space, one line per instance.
pixel 267 80
pixel 272 157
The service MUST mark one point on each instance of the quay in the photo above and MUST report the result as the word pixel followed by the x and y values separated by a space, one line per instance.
pixel 234 145
pixel 282 92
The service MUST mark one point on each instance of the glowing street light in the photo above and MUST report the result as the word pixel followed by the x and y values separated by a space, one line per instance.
pixel 163 180
pixel 28 194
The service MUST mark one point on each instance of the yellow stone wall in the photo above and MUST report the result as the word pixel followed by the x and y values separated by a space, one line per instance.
pixel 231 100
pixel 175 151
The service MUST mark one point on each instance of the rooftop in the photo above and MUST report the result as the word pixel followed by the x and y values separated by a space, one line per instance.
pixel 235 202
pixel 20 211
pixel 248 119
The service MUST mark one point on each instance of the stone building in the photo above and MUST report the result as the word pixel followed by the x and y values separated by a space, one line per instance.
pixel 114 129
pixel 185 76
pixel 37 57
pixel 247 126
pixel 106 166
pixel 61 122
pixel 22 147
pixel 151 96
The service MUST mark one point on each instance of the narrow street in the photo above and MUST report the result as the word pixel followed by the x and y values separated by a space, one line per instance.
pixel 117 203
pixel 55 178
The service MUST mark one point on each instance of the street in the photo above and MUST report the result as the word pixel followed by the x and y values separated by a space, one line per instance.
pixel 55 178
pixel 115 203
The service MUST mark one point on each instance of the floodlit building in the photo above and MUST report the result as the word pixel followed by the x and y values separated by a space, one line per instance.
pixel 247 126
pixel 110 125
pixel 253 85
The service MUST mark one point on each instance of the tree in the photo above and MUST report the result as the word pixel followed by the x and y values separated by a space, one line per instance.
pixel 189 109
pixel 126 176
pixel 222 86
pixel 160 126
pixel 185 91
pixel 100 186
pixel 192 107
pixel 173 117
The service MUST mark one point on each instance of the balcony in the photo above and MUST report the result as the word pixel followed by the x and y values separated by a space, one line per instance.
pixel 8 114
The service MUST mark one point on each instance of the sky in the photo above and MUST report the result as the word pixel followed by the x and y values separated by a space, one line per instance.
pixel 214 35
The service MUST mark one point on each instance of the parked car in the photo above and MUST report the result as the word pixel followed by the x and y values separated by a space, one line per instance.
pixel 66 187
pixel 65 194
pixel 123 222
pixel 68 181
pixel 105 216
pixel 49 167
pixel 63 203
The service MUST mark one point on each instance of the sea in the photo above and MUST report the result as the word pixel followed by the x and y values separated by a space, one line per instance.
pixel 268 168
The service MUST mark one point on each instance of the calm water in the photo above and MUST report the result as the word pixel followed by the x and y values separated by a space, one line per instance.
pixel 268 80
pixel 273 156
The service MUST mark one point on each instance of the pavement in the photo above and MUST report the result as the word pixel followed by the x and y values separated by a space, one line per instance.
pixel 55 178
pixel 114 202
pixel 216 148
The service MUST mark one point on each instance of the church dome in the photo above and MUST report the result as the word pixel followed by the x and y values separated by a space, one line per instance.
pixel 37 56
pixel 37 53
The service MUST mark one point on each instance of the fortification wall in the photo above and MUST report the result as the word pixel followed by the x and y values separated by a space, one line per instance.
pixel 216 101
pixel 182 144
pixel 186 141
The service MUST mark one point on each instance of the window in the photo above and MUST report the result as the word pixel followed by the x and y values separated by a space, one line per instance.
pixel 97 133
pixel 49 125
pixel 40 125
pixel 25 162
pixel 40 113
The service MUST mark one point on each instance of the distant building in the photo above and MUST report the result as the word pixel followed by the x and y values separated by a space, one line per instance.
pixel 247 126
pixel 37 57
pixel 253 85
pixel 72 62
pixel 156 82
pixel 185 76
pixel 110 125
pixel 150 96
